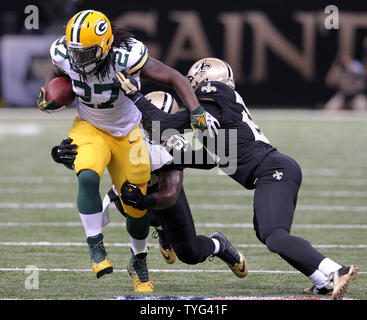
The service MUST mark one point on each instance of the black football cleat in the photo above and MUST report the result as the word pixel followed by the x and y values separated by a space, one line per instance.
pixel 234 258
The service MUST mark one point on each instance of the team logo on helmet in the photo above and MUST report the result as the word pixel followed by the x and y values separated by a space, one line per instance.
pixel 203 68
pixel 101 27
pixel 210 69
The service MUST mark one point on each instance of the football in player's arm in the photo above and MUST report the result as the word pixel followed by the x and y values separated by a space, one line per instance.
pixel 146 67
pixel 168 207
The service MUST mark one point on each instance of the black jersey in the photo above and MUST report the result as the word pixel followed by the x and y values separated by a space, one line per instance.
pixel 240 144
pixel 228 107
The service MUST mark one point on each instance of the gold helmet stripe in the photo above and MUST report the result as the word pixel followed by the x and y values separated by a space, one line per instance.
pixel 78 22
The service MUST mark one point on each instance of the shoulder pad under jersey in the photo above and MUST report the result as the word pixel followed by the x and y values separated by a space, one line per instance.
pixel 132 58
pixel 59 55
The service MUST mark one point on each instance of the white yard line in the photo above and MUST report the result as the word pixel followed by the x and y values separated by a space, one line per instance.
pixel 117 244
pixel 203 206
pixel 217 193
pixel 71 224
pixel 160 270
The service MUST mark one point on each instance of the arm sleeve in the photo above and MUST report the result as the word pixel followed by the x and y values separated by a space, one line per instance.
pixel 179 121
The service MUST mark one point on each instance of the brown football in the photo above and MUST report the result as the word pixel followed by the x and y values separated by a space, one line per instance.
pixel 60 90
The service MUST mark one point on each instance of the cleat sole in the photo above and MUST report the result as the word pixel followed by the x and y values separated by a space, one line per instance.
pixel 104 271
pixel 343 283
pixel 102 268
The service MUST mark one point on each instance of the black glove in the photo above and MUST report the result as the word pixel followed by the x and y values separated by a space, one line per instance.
pixel 132 196
pixel 64 153
pixel 128 85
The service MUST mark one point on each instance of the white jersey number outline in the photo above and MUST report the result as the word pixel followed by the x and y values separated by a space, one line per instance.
pixel 246 117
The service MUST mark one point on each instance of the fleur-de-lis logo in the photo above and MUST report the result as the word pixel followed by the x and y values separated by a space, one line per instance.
pixel 208 88
pixel 278 175
pixel 202 69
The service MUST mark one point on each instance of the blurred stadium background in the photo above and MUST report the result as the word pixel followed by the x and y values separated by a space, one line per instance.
pixel 281 51
pixel 287 66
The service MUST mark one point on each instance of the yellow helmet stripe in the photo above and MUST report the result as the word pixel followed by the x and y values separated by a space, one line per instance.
pixel 78 22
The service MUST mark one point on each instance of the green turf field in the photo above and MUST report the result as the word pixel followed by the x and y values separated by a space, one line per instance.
pixel 39 223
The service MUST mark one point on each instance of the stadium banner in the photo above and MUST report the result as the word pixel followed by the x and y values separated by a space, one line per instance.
pixel 280 51
pixel 25 61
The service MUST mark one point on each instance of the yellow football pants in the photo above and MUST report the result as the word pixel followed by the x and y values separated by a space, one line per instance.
pixel 126 158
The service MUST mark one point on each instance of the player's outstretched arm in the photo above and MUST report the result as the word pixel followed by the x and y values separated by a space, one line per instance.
pixel 180 120
pixel 156 71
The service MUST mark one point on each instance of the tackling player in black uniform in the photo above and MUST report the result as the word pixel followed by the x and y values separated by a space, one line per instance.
pixel 170 214
pixel 275 177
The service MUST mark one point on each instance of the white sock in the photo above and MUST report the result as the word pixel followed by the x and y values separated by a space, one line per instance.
pixel 138 246
pixel 328 266
pixel 92 223
pixel 318 279
pixel 217 245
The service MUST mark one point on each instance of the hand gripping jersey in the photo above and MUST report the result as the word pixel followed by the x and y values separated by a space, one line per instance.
pixel 100 101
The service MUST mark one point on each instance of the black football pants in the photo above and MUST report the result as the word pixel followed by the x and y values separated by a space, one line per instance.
pixel 278 178
pixel 178 226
